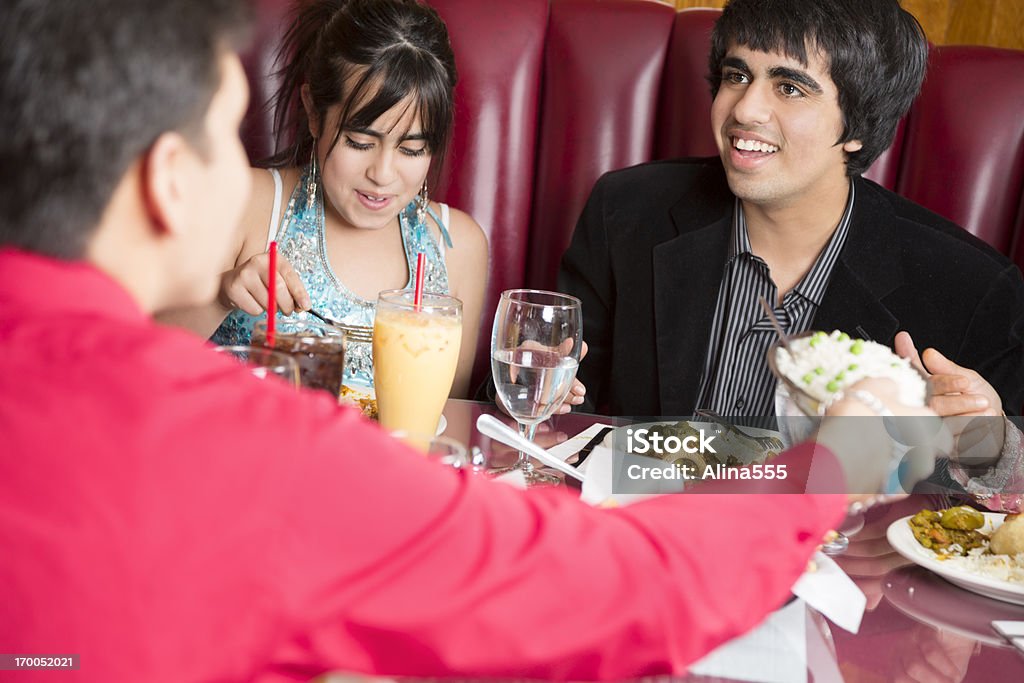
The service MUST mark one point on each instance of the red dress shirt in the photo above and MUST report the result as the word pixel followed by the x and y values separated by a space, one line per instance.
pixel 169 517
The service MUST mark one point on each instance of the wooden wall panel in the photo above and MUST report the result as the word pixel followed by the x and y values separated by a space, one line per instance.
pixel 1007 25
pixel 999 23
pixel 969 25
pixel 934 16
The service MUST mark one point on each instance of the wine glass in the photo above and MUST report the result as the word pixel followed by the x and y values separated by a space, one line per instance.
pixel 535 352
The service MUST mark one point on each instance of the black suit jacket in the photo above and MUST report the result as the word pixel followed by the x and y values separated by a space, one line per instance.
pixel 648 255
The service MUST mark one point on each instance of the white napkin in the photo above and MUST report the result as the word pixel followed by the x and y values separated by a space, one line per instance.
pixel 774 652
pixel 599 473
pixel 782 649
pixel 832 593
pixel 575 444
pixel 1009 629
pixel 1013 631
pixel 514 478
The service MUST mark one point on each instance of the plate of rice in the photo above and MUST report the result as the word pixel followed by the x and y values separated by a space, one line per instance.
pixel 818 365
pixel 1000 577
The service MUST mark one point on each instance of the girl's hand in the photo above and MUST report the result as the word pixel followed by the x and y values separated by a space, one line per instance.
pixel 247 287
pixel 576 393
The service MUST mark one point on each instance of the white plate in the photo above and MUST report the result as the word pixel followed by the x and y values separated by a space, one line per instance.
pixel 353 393
pixel 745 455
pixel 901 538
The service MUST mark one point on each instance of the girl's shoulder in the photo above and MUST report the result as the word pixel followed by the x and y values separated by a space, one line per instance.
pixel 256 219
pixel 465 232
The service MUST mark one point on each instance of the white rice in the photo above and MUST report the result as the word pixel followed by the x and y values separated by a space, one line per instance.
pixel 1000 567
pixel 823 364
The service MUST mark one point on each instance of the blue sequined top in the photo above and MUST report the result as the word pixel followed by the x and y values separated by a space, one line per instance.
pixel 301 240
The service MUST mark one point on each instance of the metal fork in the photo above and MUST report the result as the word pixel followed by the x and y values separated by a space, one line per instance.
pixel 353 333
pixel 768 443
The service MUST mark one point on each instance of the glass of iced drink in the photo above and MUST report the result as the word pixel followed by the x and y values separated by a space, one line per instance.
pixel 318 350
pixel 415 353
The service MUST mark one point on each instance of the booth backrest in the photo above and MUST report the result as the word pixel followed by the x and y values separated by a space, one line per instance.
pixel 553 93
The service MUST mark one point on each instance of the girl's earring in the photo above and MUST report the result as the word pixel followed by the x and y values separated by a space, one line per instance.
pixel 422 202
pixel 311 182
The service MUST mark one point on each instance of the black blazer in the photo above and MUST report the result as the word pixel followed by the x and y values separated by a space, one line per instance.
pixel 648 255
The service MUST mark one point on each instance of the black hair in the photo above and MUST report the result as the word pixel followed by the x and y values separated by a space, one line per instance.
pixel 367 56
pixel 877 56
pixel 85 89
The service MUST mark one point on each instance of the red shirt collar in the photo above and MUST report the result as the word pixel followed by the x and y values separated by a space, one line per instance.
pixel 49 285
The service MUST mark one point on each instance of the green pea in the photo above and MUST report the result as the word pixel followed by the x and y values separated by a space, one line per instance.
pixel 819 370
pixel 858 347
pixel 843 336
pixel 832 386
pixel 808 378
pixel 853 366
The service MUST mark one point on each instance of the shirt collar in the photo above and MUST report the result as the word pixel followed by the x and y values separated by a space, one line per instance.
pixel 48 285
pixel 740 242
pixel 812 285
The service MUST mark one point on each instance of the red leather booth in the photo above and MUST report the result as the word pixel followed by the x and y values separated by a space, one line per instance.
pixel 553 93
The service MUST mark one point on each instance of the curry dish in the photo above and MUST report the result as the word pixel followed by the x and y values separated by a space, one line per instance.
pixel 951 531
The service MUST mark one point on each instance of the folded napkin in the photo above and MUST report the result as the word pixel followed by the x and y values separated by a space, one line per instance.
pixel 600 471
pixel 774 652
pixel 793 641
pixel 1009 629
pixel 574 445
pixel 1013 631
pixel 828 589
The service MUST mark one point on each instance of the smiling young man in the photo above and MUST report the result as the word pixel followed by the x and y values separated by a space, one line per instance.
pixel 670 258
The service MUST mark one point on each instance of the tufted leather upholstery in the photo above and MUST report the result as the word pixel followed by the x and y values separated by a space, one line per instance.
pixel 553 93
pixel 963 156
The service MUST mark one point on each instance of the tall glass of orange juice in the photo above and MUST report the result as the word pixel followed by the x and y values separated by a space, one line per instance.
pixel 415 353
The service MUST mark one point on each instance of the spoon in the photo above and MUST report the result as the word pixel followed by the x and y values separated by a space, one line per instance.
pixel 488 425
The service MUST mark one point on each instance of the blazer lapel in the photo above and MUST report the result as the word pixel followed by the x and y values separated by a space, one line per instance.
pixel 687 274
pixel 867 270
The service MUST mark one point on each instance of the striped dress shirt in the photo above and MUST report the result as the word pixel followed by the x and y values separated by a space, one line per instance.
pixel 736 380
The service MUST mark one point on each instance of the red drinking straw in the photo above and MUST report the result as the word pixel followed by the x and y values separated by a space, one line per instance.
pixel 419 280
pixel 272 295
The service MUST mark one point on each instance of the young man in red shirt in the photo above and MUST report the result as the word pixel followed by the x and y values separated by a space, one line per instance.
pixel 169 517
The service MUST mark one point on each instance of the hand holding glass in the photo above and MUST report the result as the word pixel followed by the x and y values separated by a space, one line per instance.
pixel 535 353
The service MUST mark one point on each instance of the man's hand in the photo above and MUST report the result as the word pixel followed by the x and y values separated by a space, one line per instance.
pixel 865 443
pixel 956 390
pixel 961 395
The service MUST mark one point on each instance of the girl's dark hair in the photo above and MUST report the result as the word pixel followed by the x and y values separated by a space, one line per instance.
pixel 877 54
pixel 367 56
